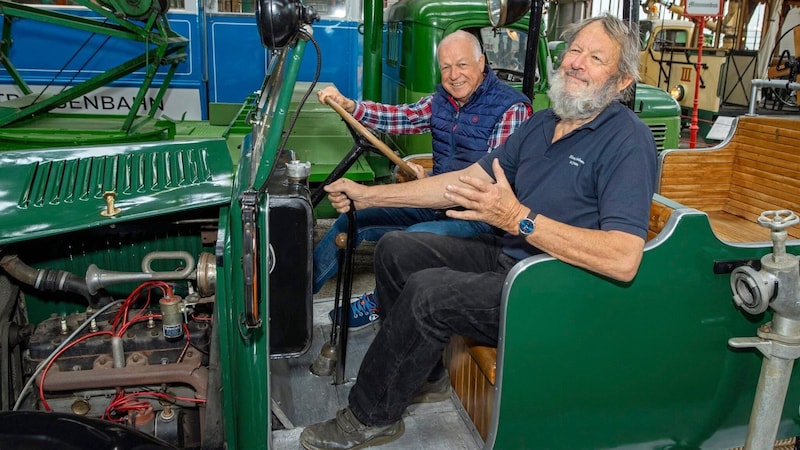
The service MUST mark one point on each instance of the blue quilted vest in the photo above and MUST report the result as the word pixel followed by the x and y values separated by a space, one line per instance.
pixel 461 134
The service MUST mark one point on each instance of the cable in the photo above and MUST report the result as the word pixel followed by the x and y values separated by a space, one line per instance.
pixel 28 386
pixel 60 352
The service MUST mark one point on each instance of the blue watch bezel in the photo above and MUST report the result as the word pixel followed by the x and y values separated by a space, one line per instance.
pixel 527 225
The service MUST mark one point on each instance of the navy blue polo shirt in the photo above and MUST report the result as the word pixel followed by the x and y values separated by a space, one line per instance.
pixel 600 176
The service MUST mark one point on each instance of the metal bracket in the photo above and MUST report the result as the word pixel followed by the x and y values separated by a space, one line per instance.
pixel 248 202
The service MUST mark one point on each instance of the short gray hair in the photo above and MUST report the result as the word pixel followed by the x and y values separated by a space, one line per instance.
pixel 625 35
pixel 461 34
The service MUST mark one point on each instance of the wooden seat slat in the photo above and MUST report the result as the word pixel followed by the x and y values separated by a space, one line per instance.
pixel 754 171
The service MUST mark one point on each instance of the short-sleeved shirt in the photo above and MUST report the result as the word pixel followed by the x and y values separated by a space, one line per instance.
pixel 600 176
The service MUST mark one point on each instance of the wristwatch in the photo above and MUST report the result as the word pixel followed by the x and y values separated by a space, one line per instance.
pixel 528 224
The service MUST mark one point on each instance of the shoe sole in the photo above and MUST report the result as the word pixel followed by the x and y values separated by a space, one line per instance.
pixel 374 322
pixel 431 397
pixel 377 440
pixel 360 327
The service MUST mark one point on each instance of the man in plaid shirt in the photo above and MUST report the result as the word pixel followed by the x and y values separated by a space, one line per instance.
pixel 471 113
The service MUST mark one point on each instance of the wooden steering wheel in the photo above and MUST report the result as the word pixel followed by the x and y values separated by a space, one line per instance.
pixel 374 141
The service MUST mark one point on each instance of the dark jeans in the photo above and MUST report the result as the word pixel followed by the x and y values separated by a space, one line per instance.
pixel 373 223
pixel 430 288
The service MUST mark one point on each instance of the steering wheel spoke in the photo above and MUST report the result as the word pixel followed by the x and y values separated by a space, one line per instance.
pixel 360 134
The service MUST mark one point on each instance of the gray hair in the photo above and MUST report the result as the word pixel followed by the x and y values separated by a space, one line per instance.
pixel 461 34
pixel 625 35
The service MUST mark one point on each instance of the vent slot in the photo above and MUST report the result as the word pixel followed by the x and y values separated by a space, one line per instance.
pixel 81 179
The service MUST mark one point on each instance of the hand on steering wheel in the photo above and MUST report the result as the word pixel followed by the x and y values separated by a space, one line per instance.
pixel 374 141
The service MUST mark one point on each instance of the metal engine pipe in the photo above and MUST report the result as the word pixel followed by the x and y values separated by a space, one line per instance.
pixel 189 372
pixel 44 279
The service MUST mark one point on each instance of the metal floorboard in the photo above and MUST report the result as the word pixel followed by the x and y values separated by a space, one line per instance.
pixel 305 398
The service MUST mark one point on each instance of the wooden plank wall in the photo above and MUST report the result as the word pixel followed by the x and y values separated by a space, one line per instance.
pixel 699 179
pixel 755 171
pixel 767 165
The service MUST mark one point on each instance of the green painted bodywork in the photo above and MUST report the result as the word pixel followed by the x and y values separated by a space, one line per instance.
pixel 48 192
pixel 245 360
pixel 583 362
pixel 588 363
pixel 321 137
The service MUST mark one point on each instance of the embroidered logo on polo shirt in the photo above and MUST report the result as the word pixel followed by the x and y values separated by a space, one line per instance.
pixel 575 161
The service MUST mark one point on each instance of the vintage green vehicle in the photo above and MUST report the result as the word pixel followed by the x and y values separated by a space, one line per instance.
pixel 156 294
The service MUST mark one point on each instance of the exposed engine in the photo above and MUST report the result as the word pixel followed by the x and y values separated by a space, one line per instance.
pixel 141 361
pixel 115 324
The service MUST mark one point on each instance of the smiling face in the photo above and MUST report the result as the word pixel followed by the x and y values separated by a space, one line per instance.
pixel 588 78
pixel 461 66
pixel 592 60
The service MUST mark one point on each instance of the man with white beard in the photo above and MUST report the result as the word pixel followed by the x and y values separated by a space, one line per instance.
pixel 574 181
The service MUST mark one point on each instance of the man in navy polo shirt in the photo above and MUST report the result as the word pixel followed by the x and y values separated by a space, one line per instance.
pixel 575 182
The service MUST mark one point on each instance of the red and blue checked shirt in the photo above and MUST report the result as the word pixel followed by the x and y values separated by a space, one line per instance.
pixel 415 118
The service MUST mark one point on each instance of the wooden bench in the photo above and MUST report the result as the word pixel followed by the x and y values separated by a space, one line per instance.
pixel 756 170
pixel 473 367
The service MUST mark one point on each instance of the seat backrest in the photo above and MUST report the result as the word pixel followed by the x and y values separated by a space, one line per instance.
pixel 423 159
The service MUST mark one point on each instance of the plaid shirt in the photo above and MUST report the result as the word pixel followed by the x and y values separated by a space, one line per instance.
pixel 415 118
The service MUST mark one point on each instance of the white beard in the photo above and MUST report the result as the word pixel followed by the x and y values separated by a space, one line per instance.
pixel 583 103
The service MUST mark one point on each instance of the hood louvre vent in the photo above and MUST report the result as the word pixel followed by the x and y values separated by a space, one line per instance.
pixel 83 179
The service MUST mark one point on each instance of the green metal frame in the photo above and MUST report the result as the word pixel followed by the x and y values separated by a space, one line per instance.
pixel 245 361
pixel 162 46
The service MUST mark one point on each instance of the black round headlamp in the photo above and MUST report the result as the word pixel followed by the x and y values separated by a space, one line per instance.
pixel 279 21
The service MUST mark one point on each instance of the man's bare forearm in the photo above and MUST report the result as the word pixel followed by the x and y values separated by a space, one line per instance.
pixel 425 193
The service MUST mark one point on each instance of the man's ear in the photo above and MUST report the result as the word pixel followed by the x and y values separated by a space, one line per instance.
pixel 623 83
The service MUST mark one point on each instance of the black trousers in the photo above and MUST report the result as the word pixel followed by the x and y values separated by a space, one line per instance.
pixel 430 287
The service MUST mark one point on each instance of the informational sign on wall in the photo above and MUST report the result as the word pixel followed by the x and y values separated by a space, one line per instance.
pixel 708 8
pixel 177 103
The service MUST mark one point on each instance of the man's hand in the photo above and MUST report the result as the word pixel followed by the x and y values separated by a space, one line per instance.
pixel 342 191
pixel 332 93
pixel 493 203
pixel 419 171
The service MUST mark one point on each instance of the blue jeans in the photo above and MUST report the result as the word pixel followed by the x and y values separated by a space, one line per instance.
pixel 430 287
pixel 373 223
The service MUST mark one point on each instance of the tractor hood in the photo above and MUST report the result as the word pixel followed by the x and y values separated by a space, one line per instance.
pixel 655 102
pixel 43 193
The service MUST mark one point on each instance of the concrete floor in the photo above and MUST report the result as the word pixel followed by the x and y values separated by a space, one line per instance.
pixel 302 398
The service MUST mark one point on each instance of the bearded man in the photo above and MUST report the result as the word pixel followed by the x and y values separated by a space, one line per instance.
pixel 574 181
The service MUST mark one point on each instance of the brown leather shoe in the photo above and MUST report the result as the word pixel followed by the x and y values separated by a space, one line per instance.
pixel 347 432
pixel 434 391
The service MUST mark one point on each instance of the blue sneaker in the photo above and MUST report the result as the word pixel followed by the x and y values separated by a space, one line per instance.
pixel 364 311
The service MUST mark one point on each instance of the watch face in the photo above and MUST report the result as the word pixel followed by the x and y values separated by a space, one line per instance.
pixel 526 226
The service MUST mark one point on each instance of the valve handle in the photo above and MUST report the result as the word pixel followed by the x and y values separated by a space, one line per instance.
pixel 778 220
